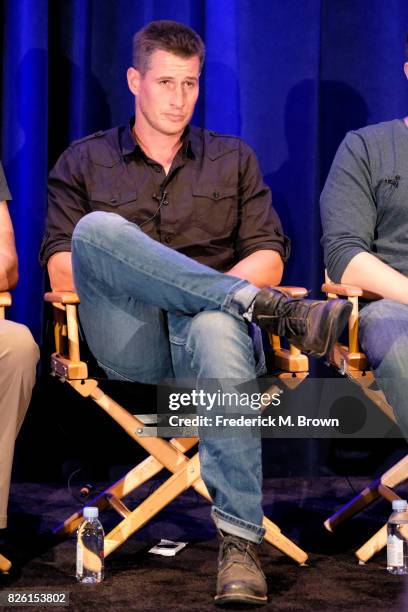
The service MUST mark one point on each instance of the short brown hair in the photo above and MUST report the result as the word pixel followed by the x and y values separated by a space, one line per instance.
pixel 168 36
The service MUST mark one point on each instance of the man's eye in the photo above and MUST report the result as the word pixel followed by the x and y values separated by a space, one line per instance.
pixel 164 82
pixel 190 84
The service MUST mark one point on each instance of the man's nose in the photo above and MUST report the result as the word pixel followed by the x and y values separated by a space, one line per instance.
pixel 177 98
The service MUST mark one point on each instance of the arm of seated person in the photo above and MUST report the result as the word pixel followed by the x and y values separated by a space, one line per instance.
pixel 8 255
pixel 60 272
pixel 370 273
pixel 263 268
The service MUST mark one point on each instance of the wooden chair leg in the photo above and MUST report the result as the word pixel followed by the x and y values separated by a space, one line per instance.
pixel 361 501
pixel 5 564
pixel 166 493
pixel 396 474
pixel 391 478
pixel 382 487
pixel 274 536
pixel 373 545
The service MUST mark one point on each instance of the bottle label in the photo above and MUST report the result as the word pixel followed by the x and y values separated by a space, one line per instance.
pixel 80 558
pixel 395 551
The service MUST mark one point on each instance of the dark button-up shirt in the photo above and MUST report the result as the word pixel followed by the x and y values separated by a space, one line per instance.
pixel 212 206
pixel 4 190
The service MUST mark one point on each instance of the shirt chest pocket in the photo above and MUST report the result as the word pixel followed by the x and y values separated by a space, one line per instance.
pixel 215 208
pixel 124 204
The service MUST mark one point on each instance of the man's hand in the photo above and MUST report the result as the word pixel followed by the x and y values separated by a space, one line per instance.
pixel 60 272
pixel 8 255
pixel 262 268
pixel 370 273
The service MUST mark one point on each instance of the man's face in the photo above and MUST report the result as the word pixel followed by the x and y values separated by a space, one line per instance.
pixel 167 93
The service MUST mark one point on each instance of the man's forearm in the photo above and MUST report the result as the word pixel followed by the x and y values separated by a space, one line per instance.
pixel 60 272
pixel 8 272
pixel 8 255
pixel 262 268
pixel 370 273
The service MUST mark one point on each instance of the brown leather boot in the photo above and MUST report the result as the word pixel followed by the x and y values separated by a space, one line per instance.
pixel 240 577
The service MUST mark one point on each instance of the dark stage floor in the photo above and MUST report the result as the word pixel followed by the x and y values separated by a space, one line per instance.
pixel 137 580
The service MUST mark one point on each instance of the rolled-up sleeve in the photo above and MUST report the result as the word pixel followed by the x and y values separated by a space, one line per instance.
pixel 347 206
pixel 67 203
pixel 259 225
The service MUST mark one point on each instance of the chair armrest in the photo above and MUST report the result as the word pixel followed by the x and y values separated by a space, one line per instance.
pixel 62 297
pixel 343 290
pixel 5 298
pixel 295 292
pixel 349 291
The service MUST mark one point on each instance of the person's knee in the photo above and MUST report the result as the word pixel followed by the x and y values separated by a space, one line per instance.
pixel 95 226
pixel 17 346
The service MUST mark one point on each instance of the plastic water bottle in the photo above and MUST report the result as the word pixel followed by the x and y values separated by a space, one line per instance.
pixel 89 557
pixel 397 538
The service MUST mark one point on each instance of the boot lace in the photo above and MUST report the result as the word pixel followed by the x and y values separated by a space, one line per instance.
pixel 231 543
pixel 291 320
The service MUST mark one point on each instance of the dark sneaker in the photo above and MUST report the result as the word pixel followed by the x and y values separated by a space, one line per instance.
pixel 313 326
pixel 240 577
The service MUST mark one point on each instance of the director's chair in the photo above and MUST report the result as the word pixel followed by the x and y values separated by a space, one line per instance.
pixel 5 300
pixel 66 364
pixel 352 363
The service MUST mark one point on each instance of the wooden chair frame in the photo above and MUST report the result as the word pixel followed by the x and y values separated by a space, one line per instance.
pixel 67 365
pixel 5 300
pixel 351 362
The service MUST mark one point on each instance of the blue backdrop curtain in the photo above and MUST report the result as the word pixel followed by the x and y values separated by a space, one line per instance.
pixel 289 77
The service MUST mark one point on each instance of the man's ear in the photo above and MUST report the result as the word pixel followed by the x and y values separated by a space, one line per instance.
pixel 406 69
pixel 133 79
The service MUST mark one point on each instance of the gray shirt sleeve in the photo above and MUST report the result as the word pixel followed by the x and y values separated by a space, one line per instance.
pixel 347 206
pixel 4 190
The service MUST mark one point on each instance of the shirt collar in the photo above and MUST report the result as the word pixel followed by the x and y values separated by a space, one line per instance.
pixel 129 146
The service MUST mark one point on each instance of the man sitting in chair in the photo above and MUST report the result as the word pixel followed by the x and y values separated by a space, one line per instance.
pixel 174 247
pixel 18 359
pixel 365 228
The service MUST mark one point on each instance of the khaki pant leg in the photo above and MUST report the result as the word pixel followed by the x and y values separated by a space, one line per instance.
pixel 19 355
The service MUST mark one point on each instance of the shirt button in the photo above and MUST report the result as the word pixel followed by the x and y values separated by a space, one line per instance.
pixel 113 200
pixel 168 239
pixel 216 195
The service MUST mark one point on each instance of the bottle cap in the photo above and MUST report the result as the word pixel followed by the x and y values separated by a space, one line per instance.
pixel 93 512
pixel 399 504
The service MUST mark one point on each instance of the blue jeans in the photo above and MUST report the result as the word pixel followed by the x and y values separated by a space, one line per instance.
pixel 384 339
pixel 150 313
